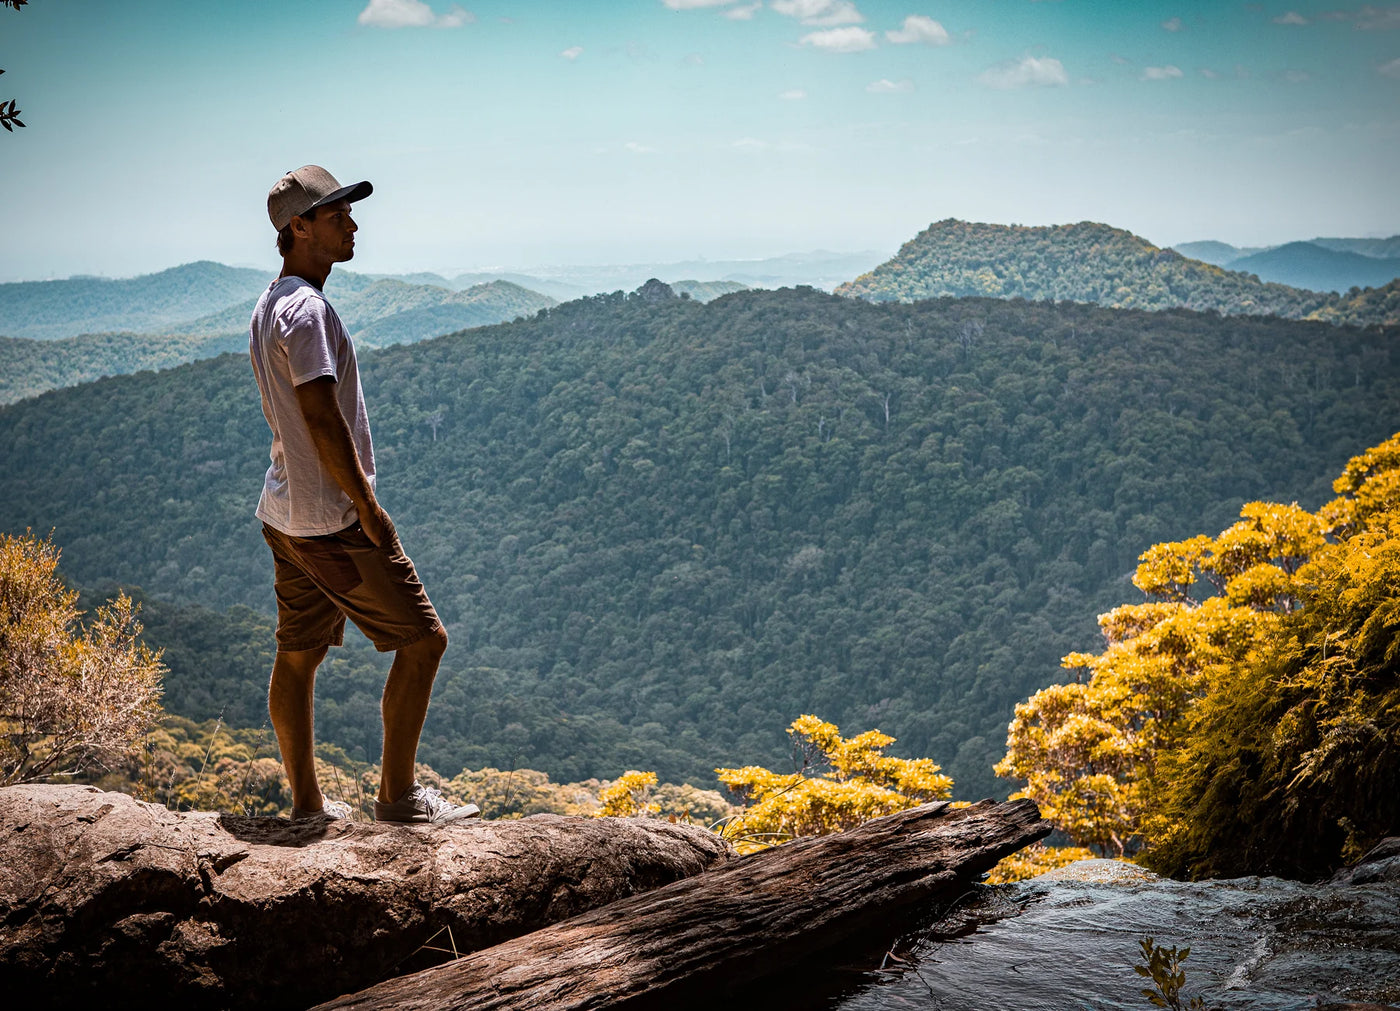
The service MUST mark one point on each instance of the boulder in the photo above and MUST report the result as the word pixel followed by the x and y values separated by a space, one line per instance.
pixel 108 900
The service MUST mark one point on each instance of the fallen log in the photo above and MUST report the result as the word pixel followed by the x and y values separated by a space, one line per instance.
pixel 682 944
pixel 107 901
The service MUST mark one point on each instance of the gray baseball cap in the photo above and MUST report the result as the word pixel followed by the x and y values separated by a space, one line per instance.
pixel 309 186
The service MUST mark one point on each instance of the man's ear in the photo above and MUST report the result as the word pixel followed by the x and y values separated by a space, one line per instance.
pixel 300 226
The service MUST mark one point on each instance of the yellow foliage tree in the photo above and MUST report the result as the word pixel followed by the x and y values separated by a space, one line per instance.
pixel 860 782
pixel 1291 760
pixel 71 697
pixel 628 797
pixel 1089 750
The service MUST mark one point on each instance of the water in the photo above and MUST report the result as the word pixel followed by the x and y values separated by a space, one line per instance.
pixel 1070 941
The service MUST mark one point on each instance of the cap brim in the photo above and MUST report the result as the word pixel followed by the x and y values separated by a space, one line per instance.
pixel 351 193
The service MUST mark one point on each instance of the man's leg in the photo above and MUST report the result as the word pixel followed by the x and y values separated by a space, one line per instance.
pixel 289 703
pixel 405 704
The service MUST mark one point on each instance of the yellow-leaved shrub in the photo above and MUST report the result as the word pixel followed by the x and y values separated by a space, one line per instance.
pixel 859 782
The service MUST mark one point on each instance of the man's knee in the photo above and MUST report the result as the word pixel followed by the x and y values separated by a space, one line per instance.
pixel 432 646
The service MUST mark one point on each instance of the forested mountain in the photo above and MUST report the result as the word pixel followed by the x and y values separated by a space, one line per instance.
pixel 1360 308
pixel 1221 254
pixel 1385 248
pixel 660 530
pixel 48 310
pixel 706 291
pixel 29 367
pixel 209 299
pixel 376 312
pixel 1085 262
pixel 1309 265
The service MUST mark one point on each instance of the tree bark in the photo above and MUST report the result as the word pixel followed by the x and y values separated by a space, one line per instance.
pixel 680 944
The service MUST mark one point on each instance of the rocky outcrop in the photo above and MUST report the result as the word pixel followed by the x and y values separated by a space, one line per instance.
pixel 1381 863
pixel 110 901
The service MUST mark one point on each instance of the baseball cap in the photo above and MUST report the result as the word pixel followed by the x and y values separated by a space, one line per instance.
pixel 309 186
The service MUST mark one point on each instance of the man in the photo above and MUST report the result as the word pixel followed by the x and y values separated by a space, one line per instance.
pixel 334 548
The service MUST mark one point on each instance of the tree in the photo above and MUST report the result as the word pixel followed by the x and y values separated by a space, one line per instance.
pixel 1293 755
pixel 70 696
pixel 1256 730
pixel 1090 750
pixel 860 783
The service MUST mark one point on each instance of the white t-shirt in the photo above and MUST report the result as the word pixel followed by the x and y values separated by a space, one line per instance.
pixel 294 337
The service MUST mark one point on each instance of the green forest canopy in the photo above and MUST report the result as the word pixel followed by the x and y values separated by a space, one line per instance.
pixel 660 530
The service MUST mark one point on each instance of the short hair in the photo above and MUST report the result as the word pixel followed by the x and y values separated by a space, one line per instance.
pixel 285 238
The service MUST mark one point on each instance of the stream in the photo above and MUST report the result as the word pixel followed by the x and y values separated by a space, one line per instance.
pixel 1069 940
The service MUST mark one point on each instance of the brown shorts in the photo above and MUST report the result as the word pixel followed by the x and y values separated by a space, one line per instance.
pixel 322 580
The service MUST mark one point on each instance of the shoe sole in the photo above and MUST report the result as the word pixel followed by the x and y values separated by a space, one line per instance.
pixel 389 818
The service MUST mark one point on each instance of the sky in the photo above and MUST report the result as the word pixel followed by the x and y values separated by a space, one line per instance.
pixel 503 134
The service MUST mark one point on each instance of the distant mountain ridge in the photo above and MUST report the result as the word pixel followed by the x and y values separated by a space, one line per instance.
pixel 1090 262
pixel 1322 264
pixel 48 310
pixel 1309 265
pixel 376 312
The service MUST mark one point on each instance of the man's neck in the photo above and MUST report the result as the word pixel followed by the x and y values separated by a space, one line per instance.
pixel 306 269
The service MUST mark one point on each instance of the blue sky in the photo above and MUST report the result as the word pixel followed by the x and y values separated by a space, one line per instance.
pixel 503 133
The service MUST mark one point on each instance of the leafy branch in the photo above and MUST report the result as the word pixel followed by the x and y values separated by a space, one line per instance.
pixel 9 115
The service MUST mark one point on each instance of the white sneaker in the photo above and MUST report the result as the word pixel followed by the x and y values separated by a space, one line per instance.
pixel 422 805
pixel 331 810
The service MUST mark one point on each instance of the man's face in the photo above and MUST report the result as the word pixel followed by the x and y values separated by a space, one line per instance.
pixel 330 236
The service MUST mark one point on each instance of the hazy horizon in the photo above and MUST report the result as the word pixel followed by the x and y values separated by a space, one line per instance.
pixel 519 135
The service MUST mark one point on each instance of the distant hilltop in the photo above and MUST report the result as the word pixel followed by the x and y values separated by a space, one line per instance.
pixel 1096 263
pixel 1322 264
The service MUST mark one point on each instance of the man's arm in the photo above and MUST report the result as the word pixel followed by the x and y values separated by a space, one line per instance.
pixel 331 434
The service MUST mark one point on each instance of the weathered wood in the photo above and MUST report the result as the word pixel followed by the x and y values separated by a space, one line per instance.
pixel 748 918
pixel 108 901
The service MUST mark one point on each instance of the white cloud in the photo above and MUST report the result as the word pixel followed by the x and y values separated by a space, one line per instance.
pixel 690 5
pixel 840 40
pixel 1378 19
pixel 693 60
pixel 918 28
pixel 572 53
pixel 1208 74
pixel 744 13
pixel 636 148
pixel 792 95
pixel 1296 76
pixel 1122 61
pixel 412 14
pixel 1160 73
pixel 1173 24
pixel 751 144
pixel 820 12
pixel 1291 18
pixel 1043 71
pixel 456 17
pixel 1391 69
pixel 887 87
